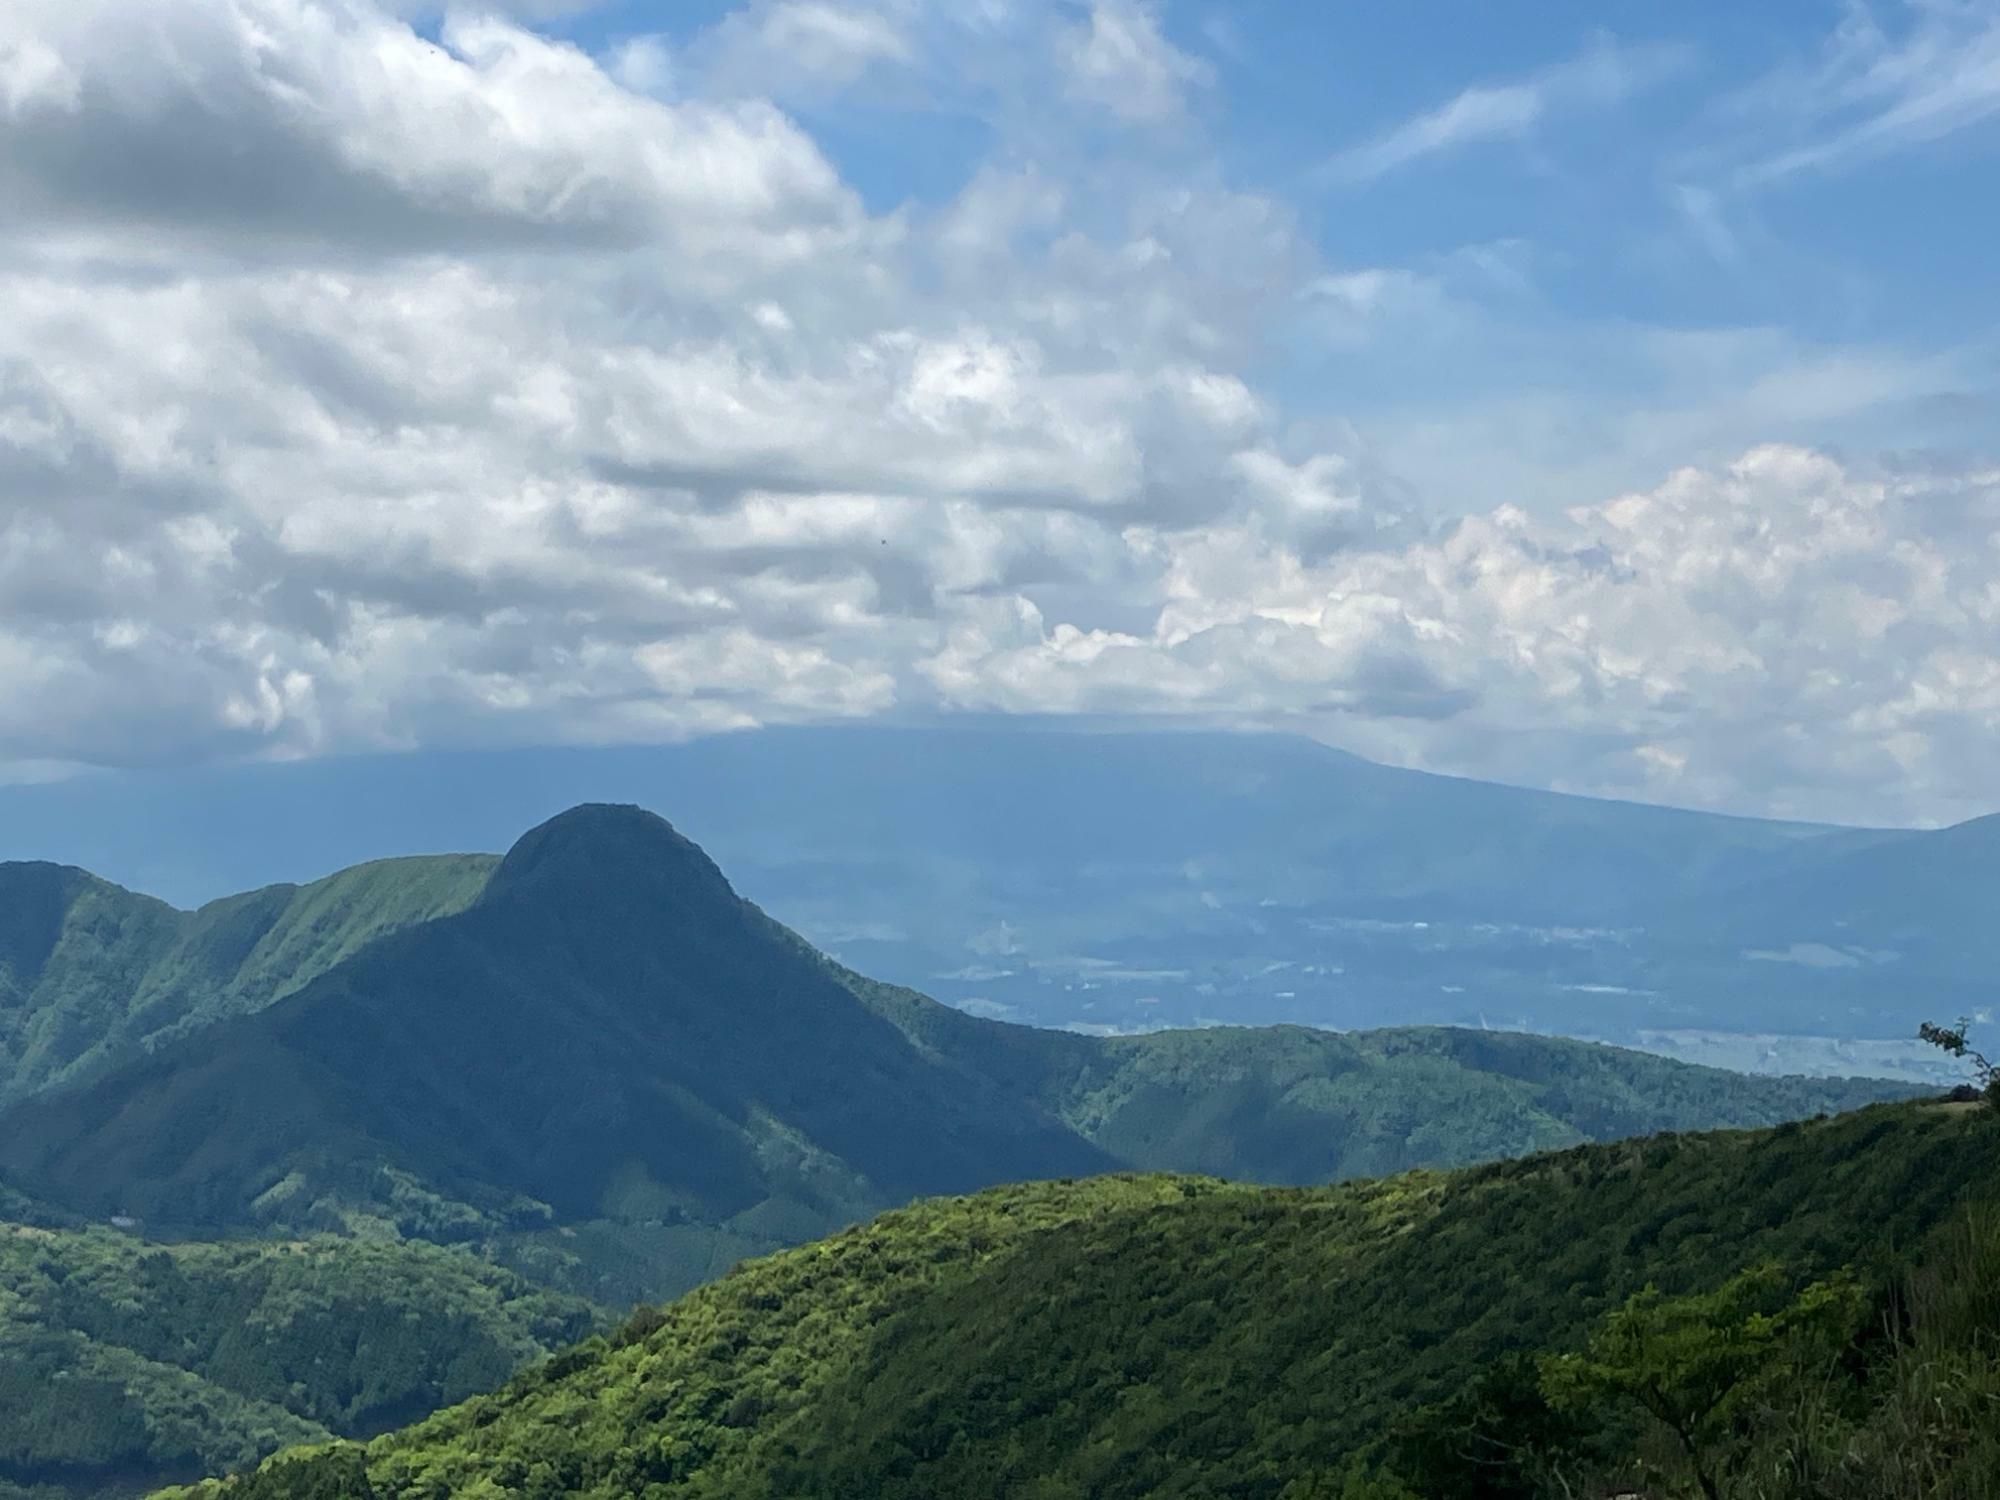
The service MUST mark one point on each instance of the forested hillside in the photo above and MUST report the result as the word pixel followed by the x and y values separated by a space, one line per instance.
pixel 1161 1336
pixel 612 1072
pixel 91 974
pixel 124 1363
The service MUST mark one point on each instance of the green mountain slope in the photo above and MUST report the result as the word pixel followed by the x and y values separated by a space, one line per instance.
pixel 1289 1105
pixel 124 1363
pixel 1164 1336
pixel 91 974
pixel 1296 1105
pixel 614 1073
pixel 608 1033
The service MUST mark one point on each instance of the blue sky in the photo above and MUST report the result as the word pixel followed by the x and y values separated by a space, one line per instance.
pixel 1600 397
pixel 1604 205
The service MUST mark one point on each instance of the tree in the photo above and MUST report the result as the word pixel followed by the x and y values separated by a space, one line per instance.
pixel 1952 1039
pixel 1698 1364
pixel 1496 1438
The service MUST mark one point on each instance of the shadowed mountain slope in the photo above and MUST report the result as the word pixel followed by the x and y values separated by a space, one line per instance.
pixel 613 1071
pixel 608 1031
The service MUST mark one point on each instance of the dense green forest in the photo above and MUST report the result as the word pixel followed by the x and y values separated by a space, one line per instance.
pixel 1814 1308
pixel 594 1065
pixel 91 974
pixel 123 1362
pixel 614 1074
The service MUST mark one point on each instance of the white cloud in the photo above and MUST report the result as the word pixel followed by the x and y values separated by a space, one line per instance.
pixel 34 77
pixel 336 125
pixel 643 64
pixel 520 10
pixel 1783 635
pixel 292 485
pixel 1875 92
pixel 789 48
pixel 357 391
pixel 1462 376
pixel 1600 76
pixel 996 207
pixel 1479 113
pixel 1924 80
pixel 1117 59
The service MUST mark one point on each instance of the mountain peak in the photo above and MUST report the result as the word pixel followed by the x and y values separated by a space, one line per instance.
pixel 600 848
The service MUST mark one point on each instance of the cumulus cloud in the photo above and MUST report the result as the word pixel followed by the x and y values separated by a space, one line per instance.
pixel 1783 634
pixel 358 391
pixel 333 124
pixel 591 416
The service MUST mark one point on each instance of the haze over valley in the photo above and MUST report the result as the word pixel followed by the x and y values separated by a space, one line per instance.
pixel 1123 882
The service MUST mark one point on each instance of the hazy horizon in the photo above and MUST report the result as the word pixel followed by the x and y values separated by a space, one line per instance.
pixel 434 801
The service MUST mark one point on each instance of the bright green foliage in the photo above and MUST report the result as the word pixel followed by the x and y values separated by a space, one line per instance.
pixel 123 1359
pixel 1173 1336
pixel 1913 1415
pixel 91 974
pixel 335 1471
pixel 1751 1391
pixel 1697 1364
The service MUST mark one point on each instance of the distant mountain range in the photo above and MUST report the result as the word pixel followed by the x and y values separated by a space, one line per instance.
pixel 1123 882
pixel 595 1061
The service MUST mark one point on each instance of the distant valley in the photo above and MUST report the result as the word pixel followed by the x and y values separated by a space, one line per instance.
pixel 1118 883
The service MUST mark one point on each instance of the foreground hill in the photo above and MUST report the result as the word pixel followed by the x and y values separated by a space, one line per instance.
pixel 611 1070
pixel 91 973
pixel 1173 1336
pixel 124 1364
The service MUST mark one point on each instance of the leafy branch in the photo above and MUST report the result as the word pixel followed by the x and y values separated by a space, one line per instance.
pixel 1953 1040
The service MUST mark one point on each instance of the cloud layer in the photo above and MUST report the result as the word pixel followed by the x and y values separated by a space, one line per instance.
pixel 359 390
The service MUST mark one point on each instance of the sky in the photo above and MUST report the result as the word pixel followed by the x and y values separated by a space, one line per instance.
pixel 1592 396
